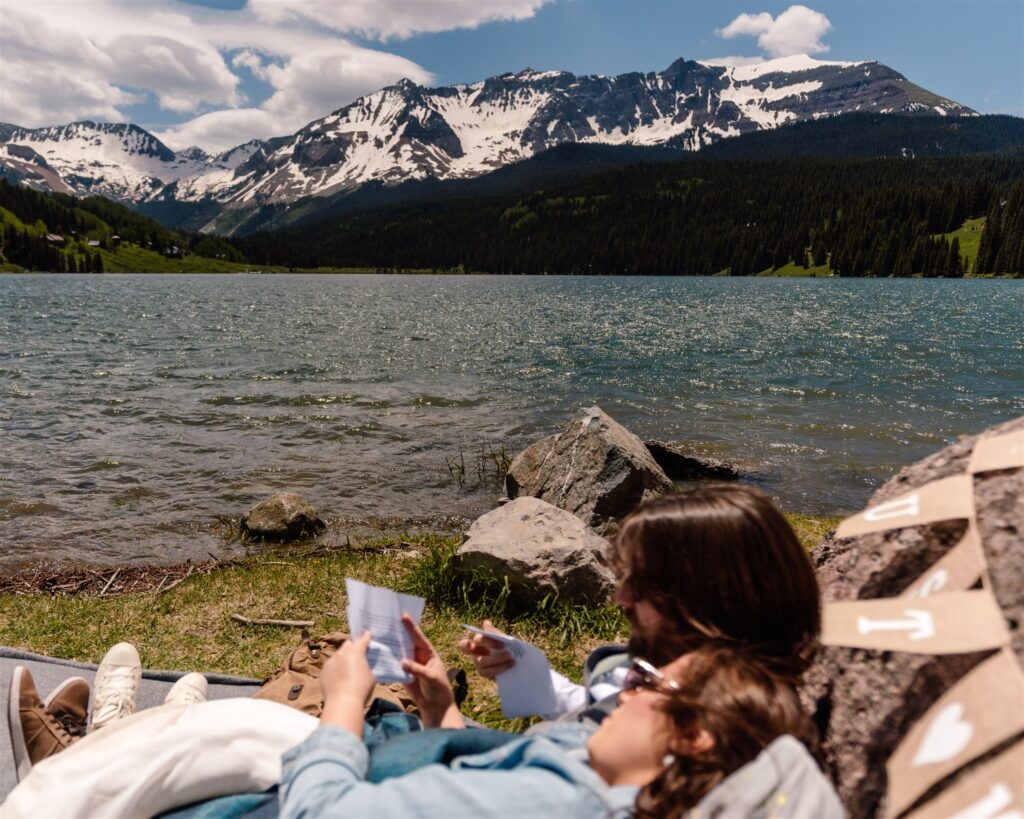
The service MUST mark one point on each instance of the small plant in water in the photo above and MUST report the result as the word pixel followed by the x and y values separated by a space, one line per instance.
pixel 488 465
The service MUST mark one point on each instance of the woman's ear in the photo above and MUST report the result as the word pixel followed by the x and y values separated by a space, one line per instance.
pixel 697 743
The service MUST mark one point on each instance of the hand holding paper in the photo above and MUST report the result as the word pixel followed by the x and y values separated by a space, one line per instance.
pixel 377 610
pixel 526 689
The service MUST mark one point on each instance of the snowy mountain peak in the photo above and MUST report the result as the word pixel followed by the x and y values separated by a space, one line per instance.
pixel 405 131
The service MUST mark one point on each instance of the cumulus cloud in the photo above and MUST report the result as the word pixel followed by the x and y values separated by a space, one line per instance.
pixel 395 19
pixel 797 30
pixel 63 60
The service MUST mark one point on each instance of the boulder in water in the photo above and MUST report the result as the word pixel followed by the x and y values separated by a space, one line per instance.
pixel 596 469
pixel 285 516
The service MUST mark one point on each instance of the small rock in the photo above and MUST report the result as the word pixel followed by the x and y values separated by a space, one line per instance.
pixel 682 466
pixel 285 516
pixel 596 469
pixel 542 550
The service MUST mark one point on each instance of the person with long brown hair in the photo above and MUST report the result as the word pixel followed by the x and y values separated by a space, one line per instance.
pixel 679 732
pixel 715 564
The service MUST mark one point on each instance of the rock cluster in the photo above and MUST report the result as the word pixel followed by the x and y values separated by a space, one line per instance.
pixel 865 702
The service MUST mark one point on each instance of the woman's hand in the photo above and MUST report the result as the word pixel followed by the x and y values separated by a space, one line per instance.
pixel 489 656
pixel 430 689
pixel 346 682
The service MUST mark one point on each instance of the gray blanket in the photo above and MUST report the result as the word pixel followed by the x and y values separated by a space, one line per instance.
pixel 48 672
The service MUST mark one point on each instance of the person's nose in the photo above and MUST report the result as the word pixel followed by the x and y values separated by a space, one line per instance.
pixel 626 694
pixel 623 597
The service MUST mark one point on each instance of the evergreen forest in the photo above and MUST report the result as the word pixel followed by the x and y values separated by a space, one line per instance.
pixel 848 217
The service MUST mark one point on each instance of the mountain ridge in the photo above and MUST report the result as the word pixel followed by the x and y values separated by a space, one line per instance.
pixel 406 132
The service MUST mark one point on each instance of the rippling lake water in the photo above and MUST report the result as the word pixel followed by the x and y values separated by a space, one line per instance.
pixel 136 409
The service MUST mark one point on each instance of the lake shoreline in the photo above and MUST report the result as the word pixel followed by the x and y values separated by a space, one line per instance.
pixel 50 578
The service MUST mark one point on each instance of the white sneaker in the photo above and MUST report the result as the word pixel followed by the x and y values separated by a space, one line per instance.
pixel 115 686
pixel 188 690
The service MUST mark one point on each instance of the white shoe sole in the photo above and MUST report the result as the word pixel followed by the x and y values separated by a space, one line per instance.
pixel 22 763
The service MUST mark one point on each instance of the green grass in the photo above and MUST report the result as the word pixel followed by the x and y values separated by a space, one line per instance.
pixel 969 234
pixel 792 270
pixel 130 258
pixel 190 625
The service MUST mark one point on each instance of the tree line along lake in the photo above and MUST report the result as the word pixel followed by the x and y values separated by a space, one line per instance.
pixel 135 410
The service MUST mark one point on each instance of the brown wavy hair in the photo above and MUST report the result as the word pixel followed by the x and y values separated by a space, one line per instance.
pixel 723 565
pixel 742 705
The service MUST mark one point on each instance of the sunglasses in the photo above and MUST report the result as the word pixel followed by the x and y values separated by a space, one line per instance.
pixel 644 676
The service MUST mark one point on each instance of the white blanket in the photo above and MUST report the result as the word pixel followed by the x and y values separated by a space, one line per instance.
pixel 163 758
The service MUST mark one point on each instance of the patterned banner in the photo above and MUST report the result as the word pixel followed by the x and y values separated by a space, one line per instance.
pixel 951 623
pixel 957 570
pixel 982 710
pixel 945 499
pixel 1004 451
pixel 993 791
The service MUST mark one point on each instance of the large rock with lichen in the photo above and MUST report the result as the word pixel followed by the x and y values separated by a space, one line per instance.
pixel 864 701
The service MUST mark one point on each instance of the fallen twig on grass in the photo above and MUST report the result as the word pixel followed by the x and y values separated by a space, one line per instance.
pixel 188 574
pixel 246 621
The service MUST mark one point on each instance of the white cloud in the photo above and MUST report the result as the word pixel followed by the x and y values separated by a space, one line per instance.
pixel 62 60
pixel 387 19
pixel 797 30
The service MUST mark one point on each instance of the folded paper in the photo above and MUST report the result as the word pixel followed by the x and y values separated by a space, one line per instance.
pixel 949 498
pixel 951 623
pixel 957 570
pixel 995 790
pixel 982 710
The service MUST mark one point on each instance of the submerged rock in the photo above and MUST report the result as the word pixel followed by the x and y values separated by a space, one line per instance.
pixel 542 550
pixel 681 465
pixel 284 516
pixel 596 469
pixel 865 702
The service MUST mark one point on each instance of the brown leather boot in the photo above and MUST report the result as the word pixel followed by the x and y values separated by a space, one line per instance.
pixel 35 734
pixel 69 704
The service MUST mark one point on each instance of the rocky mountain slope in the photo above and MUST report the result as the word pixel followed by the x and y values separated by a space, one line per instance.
pixel 407 132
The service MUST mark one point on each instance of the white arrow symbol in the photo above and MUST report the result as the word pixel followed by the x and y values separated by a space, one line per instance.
pixel 918 622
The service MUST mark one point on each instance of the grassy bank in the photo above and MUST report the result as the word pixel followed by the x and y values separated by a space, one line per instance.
pixel 188 625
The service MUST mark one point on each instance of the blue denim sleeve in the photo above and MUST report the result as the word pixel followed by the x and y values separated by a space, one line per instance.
pixel 317 773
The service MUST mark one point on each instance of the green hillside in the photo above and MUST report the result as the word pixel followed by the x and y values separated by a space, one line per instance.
pixel 62 234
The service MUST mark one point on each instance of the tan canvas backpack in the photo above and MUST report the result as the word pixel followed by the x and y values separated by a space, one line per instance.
pixel 297 681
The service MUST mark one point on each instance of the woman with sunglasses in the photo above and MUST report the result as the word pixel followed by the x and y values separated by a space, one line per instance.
pixel 678 731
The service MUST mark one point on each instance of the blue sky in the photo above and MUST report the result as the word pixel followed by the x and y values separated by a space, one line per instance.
pixel 218 72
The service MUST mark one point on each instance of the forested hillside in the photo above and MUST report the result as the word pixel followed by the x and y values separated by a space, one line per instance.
pixel 59 233
pixel 853 217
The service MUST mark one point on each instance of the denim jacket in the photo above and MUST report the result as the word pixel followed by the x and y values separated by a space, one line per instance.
pixel 542 775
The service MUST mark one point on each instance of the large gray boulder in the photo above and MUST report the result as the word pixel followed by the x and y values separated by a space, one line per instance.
pixel 285 516
pixel 542 550
pixel 865 702
pixel 596 469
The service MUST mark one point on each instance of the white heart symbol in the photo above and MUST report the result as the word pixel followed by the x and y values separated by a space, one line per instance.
pixel 946 737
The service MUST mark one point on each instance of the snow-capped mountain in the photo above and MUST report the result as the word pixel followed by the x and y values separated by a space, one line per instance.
pixel 406 131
